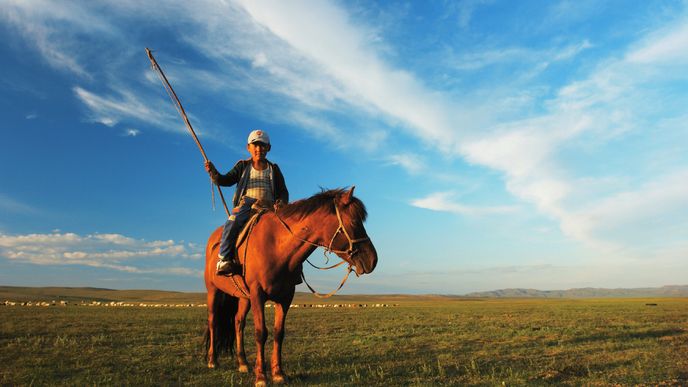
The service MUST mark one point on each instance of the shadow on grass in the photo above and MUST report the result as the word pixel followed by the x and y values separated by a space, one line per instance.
pixel 573 372
pixel 609 336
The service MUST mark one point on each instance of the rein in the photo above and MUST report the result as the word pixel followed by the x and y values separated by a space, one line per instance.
pixel 330 294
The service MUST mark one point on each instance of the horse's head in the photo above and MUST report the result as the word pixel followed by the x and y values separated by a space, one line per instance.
pixel 334 220
pixel 350 240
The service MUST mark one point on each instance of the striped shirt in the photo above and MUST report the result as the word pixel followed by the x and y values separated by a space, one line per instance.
pixel 260 184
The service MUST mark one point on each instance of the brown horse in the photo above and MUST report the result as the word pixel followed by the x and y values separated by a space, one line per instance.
pixel 272 256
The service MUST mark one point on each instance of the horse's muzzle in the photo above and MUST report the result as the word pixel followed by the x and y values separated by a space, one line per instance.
pixel 365 259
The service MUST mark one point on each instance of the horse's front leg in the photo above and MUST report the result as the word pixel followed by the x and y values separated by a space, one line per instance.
pixel 281 310
pixel 258 303
pixel 210 351
pixel 239 323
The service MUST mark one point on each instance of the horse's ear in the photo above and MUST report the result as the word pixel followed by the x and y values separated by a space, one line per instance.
pixel 346 199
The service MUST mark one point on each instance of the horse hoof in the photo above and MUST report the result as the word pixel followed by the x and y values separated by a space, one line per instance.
pixel 243 368
pixel 260 380
pixel 211 365
pixel 278 379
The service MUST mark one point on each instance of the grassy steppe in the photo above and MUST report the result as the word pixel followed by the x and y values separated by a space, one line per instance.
pixel 419 342
pixel 17 293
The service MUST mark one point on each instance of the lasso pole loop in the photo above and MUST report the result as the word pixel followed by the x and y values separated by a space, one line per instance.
pixel 180 109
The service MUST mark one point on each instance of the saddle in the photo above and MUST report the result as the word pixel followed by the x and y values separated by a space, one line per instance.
pixel 244 236
pixel 248 227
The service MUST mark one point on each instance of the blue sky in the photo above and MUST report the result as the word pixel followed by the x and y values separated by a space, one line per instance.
pixel 496 144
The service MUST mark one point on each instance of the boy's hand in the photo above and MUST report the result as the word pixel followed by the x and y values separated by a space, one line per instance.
pixel 212 171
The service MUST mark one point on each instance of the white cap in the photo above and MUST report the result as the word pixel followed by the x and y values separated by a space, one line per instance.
pixel 258 136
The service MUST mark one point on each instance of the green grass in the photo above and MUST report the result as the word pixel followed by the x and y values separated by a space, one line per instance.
pixel 430 341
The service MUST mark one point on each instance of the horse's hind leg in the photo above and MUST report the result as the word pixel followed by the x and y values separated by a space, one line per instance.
pixel 239 323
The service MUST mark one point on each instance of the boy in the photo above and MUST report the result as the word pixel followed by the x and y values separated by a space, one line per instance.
pixel 260 184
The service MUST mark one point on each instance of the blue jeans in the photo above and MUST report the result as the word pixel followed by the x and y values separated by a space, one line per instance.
pixel 233 226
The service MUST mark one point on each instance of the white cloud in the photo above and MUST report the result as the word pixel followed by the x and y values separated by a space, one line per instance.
pixel 323 33
pixel 10 204
pixel 110 110
pixel 668 45
pixel 572 50
pixel 480 59
pixel 443 201
pixel 412 163
pixel 611 103
pixel 466 9
pixel 538 59
pixel 63 33
pixel 658 206
pixel 260 60
pixel 324 67
pixel 111 251
pixel 42 22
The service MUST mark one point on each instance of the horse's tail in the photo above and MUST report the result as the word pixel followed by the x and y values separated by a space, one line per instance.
pixel 224 309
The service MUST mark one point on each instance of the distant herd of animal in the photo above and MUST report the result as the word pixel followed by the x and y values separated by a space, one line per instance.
pixel 145 305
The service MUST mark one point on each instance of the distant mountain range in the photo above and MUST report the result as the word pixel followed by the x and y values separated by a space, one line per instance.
pixel 664 291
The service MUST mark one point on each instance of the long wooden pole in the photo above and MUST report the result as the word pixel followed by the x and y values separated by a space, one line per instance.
pixel 181 111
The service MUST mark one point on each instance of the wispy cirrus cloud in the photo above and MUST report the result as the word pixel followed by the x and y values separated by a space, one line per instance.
pixel 609 105
pixel 505 55
pixel 445 202
pixel 109 110
pixel 466 9
pixel 666 45
pixel 10 204
pixel 410 162
pixel 42 23
pixel 346 59
pixel 660 206
pixel 251 68
pixel 109 251
pixel 63 33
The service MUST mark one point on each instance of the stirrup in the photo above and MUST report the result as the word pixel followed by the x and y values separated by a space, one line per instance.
pixel 227 267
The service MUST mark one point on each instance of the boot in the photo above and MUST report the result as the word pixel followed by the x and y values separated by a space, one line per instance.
pixel 228 266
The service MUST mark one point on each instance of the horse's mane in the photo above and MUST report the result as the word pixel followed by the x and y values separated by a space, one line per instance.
pixel 324 200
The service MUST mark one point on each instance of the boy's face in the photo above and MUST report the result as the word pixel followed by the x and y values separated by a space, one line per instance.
pixel 258 150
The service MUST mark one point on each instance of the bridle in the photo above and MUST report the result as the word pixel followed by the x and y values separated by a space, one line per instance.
pixel 350 252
